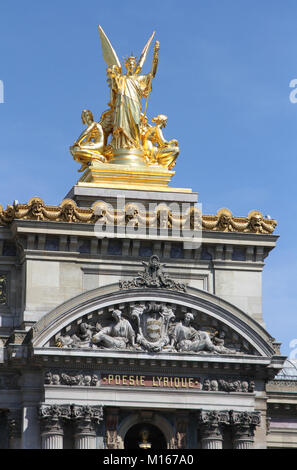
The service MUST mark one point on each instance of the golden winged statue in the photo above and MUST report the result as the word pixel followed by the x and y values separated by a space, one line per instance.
pixel 122 134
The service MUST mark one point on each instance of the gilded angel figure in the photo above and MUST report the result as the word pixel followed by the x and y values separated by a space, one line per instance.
pixel 127 90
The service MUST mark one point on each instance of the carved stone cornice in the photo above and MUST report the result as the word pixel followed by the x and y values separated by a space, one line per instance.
pixel 133 216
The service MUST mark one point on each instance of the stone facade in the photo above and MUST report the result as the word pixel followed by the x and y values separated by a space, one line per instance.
pixel 116 336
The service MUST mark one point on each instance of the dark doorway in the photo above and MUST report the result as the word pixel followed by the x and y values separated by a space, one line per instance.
pixel 144 435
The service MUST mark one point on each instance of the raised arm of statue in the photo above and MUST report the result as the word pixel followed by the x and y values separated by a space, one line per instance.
pixel 155 59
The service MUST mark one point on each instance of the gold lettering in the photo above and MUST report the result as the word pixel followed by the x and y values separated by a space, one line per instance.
pixel 110 379
pixel 176 382
pixel 142 380
pixel 191 384
pixel 184 382
pixel 155 384
pixel 118 380
pixel 165 381
pixel 171 382
pixel 124 378
pixel 131 380
pixel 160 381
pixel 137 380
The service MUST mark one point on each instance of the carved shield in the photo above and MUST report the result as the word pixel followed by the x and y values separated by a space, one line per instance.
pixel 153 328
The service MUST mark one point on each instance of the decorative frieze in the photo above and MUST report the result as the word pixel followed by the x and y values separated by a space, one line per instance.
pixel 134 216
pixel 229 385
pixel 82 378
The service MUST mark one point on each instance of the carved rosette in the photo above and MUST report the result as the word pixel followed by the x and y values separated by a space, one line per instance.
pixel 243 427
pixel 211 426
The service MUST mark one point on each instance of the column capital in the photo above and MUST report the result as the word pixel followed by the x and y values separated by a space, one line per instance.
pixel 243 425
pixel 210 424
pixel 53 416
pixel 86 417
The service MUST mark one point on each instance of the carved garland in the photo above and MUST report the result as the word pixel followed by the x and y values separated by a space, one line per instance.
pixel 133 216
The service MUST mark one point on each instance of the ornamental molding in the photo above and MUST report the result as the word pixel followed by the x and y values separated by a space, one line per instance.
pixel 133 215
pixel 82 378
pixel 153 276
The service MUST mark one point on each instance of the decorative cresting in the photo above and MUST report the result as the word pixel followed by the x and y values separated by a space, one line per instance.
pixel 212 423
pixel 152 327
pixel 134 215
pixel 53 419
pixel 153 276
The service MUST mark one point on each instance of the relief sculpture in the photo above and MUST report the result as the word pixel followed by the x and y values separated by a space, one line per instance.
pixel 152 327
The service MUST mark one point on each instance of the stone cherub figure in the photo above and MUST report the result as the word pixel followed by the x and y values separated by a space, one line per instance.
pixel 90 144
pixel 117 335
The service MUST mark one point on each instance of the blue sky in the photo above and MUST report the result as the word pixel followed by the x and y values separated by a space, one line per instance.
pixel 223 81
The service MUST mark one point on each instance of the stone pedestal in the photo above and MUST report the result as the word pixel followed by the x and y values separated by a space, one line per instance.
pixel 125 176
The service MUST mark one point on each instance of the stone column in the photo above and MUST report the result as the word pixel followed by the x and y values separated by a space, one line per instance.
pixel 111 424
pixel 52 419
pixel 211 427
pixel 85 419
pixel 243 428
